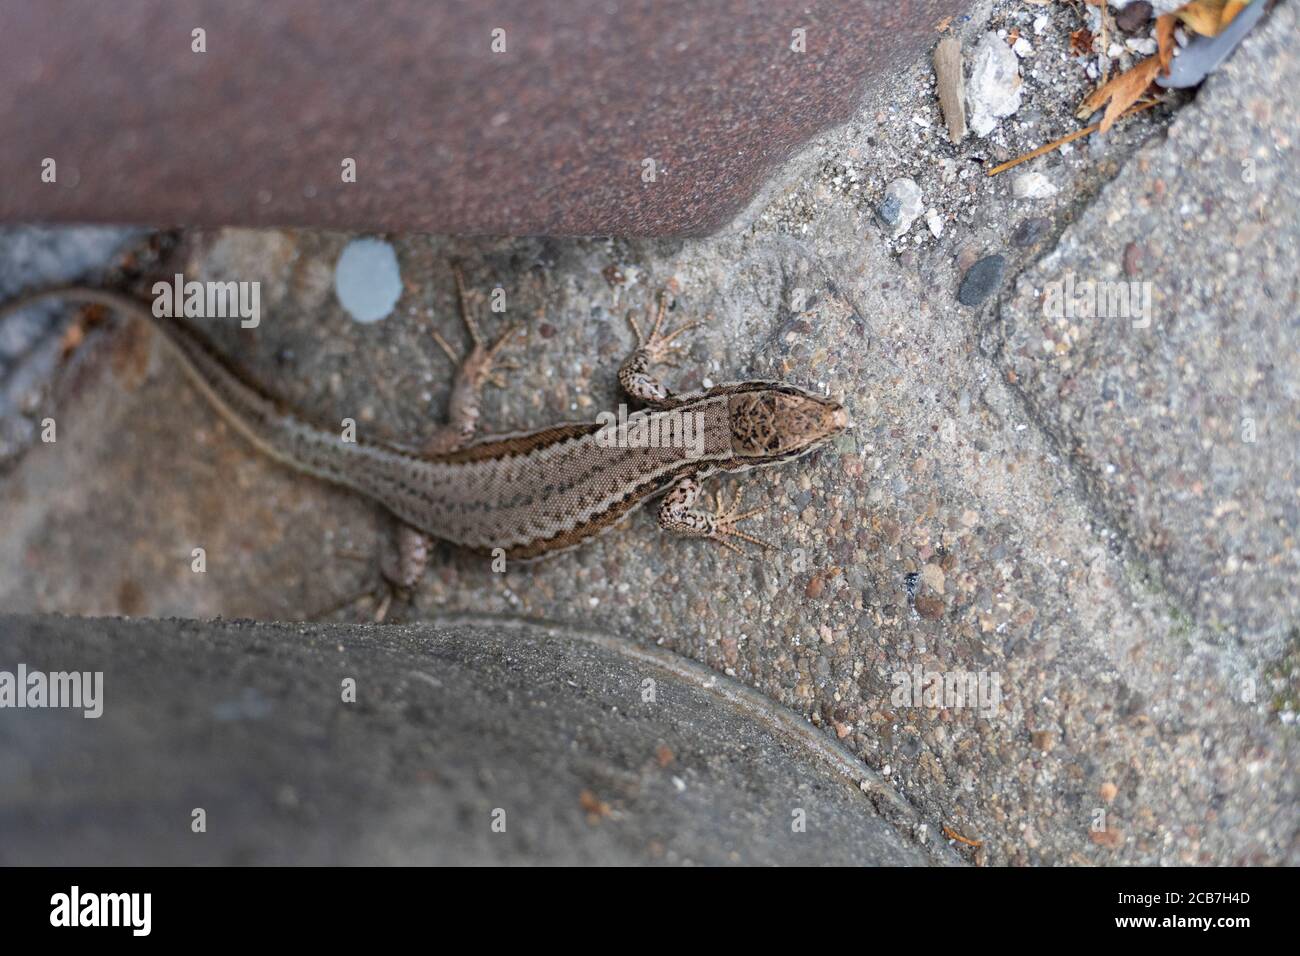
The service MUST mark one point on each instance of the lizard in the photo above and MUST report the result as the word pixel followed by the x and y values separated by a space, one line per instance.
pixel 530 494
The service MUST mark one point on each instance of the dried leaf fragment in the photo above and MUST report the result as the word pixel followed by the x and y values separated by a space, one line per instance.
pixel 1209 17
pixel 1165 24
pixel 1121 92
pixel 595 808
pixel 952 834
pixel 1230 11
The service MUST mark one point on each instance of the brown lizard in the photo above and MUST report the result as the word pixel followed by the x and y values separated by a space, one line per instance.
pixel 532 494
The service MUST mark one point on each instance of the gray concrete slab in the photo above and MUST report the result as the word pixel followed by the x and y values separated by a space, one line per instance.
pixel 464 745
pixel 1185 421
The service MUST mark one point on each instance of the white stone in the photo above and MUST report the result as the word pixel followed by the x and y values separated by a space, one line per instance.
pixel 934 221
pixel 994 88
pixel 900 206
pixel 1040 24
pixel 1022 48
pixel 1033 186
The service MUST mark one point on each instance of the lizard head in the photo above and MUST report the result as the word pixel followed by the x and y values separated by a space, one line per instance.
pixel 773 422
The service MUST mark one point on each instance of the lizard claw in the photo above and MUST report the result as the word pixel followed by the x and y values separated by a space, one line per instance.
pixel 656 344
pixel 480 361
pixel 727 519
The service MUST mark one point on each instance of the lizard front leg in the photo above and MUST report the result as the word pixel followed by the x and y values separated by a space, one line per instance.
pixel 679 515
pixel 404 564
pixel 656 349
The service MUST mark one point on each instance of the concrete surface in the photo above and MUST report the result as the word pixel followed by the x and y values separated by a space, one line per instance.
pixel 448 726
pixel 1147 661
pixel 1186 431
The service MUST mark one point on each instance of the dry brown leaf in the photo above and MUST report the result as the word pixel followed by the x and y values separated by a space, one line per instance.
pixel 1081 41
pixel 1122 92
pixel 1205 17
pixel 1230 11
pixel 1165 24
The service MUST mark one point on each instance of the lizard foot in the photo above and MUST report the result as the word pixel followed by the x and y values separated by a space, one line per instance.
pixel 655 349
pixel 481 364
pixel 658 345
pixel 725 522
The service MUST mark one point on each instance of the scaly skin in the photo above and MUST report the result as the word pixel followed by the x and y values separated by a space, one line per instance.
pixel 531 494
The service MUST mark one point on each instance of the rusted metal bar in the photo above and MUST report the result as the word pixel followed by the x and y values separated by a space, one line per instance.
pixel 564 117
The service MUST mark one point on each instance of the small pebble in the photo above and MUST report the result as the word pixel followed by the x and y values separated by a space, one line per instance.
pixel 1033 186
pixel 930 608
pixel 1134 17
pixel 900 206
pixel 934 221
pixel 981 280
pixel 966 256
pixel 1132 259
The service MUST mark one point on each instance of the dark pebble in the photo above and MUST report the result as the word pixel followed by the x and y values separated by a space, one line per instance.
pixel 1134 17
pixel 1133 255
pixel 930 608
pixel 910 581
pixel 981 280
pixel 1030 231
pixel 890 210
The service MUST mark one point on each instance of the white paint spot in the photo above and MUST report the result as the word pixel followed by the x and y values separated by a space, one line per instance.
pixel 367 279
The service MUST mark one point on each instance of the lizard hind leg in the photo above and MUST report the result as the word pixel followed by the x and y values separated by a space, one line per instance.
pixel 679 515
pixel 403 557
pixel 477 368
pixel 403 563
pixel 402 566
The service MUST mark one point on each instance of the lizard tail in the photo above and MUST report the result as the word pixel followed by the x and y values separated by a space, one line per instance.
pixel 271 426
